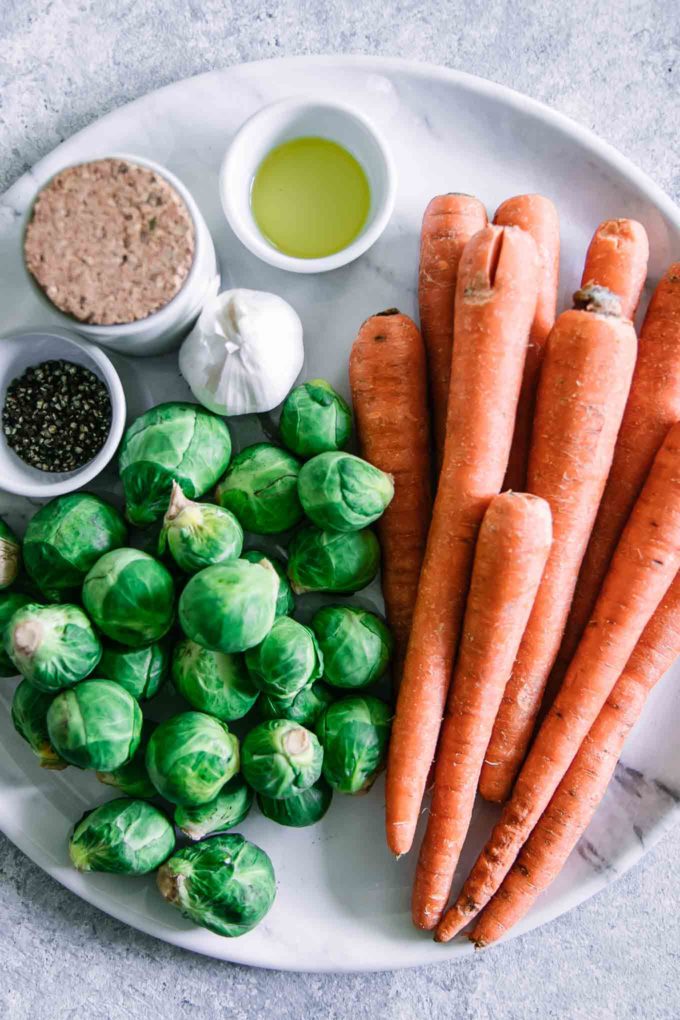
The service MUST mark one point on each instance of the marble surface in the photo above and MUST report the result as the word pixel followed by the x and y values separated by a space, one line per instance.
pixel 614 956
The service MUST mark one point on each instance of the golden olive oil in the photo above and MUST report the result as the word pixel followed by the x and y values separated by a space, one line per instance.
pixel 310 197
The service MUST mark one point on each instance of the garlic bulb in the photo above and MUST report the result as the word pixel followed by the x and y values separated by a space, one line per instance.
pixel 244 353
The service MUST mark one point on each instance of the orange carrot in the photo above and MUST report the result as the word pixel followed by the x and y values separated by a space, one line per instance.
pixel 512 549
pixel 389 391
pixel 642 569
pixel 495 301
pixel 617 259
pixel 585 381
pixel 653 406
pixel 576 799
pixel 448 224
pixel 538 216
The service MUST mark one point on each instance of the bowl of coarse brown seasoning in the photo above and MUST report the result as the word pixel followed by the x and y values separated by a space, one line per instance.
pixel 119 249
pixel 62 413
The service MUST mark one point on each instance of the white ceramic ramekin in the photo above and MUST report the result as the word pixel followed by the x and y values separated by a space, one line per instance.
pixel 296 118
pixel 19 352
pixel 165 329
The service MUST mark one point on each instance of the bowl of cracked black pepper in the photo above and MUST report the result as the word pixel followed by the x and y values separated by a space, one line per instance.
pixel 62 413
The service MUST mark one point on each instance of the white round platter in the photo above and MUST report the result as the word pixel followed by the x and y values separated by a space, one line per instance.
pixel 343 903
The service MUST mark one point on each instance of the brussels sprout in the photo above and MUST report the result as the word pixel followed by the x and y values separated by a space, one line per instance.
pixel 229 808
pixel 131 778
pixel 199 534
pixel 314 419
pixel 10 555
pixel 356 645
pixel 214 682
pixel 260 487
pixel 174 442
pixel 52 646
pixel 225 884
pixel 286 661
pixel 130 596
pixel 280 758
pixel 302 809
pixel 10 602
pixel 190 757
pixel 305 708
pixel 285 600
pixel 354 734
pixel 66 538
pixel 141 671
pixel 95 725
pixel 126 837
pixel 231 606
pixel 332 561
pixel 29 716
pixel 343 493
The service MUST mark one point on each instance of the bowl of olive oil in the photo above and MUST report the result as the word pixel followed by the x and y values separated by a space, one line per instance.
pixel 307 186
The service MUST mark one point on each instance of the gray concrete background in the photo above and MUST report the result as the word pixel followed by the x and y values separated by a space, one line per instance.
pixel 614 67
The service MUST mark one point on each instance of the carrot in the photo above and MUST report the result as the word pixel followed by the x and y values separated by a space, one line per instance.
pixel 617 259
pixel 495 301
pixel 584 384
pixel 388 379
pixel 448 224
pixel 512 549
pixel 538 216
pixel 576 799
pixel 653 406
pixel 642 569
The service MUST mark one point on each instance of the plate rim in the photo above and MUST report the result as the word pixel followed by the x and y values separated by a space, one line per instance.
pixel 590 140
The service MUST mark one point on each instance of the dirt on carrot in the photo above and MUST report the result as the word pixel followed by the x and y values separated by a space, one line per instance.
pixel 617 259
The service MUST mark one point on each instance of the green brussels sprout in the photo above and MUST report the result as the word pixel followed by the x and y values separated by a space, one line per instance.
pixel 10 555
pixel 125 837
pixel 66 538
pixel 175 442
pixel 95 725
pixel 332 561
pixel 305 708
pixel 260 487
pixel 315 419
pixel 287 660
pixel 285 600
pixel 190 757
pixel 354 733
pixel 141 671
pixel 130 596
pixel 29 716
pixel 356 645
pixel 131 778
pixel 341 492
pixel 10 602
pixel 225 884
pixel 305 808
pixel 52 646
pixel 231 606
pixel 279 758
pixel 199 534
pixel 217 683
pixel 229 808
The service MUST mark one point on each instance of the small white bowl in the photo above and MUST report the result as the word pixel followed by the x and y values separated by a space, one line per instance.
pixel 19 352
pixel 165 329
pixel 297 118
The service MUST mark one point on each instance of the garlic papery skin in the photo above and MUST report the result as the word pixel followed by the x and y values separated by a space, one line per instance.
pixel 244 353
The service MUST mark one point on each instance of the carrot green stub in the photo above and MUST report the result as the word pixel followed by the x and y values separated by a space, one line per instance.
pixel 310 197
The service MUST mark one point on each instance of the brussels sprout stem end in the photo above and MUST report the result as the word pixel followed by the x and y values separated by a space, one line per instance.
pixel 27 637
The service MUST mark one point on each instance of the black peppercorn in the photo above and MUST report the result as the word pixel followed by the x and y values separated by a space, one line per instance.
pixel 57 415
